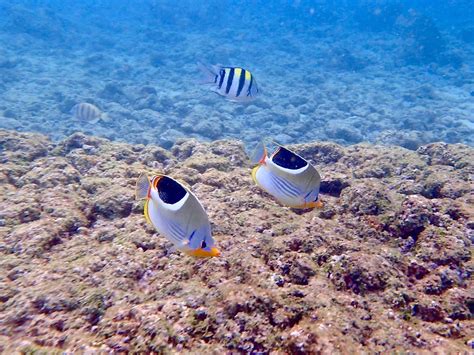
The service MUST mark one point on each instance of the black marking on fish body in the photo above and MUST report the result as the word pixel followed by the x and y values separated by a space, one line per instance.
pixel 221 80
pixel 287 159
pixel 191 236
pixel 215 78
pixel 250 86
pixel 241 82
pixel 169 190
pixel 229 80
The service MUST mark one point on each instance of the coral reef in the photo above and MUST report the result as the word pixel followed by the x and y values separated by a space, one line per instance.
pixel 336 71
pixel 385 266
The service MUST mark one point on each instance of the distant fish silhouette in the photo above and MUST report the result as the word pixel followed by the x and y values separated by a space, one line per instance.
pixel 234 83
pixel 88 112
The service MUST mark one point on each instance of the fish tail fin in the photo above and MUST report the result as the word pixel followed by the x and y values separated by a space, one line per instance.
pixel 105 117
pixel 142 189
pixel 258 154
pixel 209 73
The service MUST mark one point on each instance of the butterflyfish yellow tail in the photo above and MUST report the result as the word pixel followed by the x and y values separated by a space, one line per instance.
pixel 258 154
pixel 146 213
pixel 254 174
pixel 142 189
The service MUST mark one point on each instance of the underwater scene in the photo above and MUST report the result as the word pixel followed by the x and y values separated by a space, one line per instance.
pixel 236 176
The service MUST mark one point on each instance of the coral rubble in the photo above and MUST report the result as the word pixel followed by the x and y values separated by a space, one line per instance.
pixel 385 266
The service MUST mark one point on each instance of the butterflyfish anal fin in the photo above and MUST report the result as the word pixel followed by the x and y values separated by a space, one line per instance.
pixel 142 188
pixel 201 253
pixel 308 205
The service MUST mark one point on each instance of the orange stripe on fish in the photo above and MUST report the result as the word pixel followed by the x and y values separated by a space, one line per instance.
pixel 155 181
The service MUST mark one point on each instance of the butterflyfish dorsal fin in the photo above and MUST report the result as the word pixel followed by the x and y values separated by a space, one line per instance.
pixel 142 188
pixel 258 154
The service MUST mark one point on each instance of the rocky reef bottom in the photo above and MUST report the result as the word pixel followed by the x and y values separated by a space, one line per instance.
pixel 386 265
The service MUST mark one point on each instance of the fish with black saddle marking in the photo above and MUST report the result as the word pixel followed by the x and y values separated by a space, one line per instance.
pixel 177 214
pixel 286 176
pixel 234 83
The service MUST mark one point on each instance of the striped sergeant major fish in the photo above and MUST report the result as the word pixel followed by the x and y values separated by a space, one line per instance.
pixel 176 214
pixel 286 176
pixel 87 112
pixel 234 83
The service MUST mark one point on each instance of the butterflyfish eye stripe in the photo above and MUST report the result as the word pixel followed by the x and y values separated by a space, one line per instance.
pixel 229 80
pixel 169 190
pixel 222 75
pixel 241 82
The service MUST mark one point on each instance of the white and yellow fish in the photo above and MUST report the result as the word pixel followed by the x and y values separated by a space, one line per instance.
pixel 177 214
pixel 87 112
pixel 234 83
pixel 287 177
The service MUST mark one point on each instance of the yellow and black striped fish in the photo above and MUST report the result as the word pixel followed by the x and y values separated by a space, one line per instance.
pixel 234 83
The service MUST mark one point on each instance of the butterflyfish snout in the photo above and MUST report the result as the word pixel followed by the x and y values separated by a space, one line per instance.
pixel 285 175
pixel 177 214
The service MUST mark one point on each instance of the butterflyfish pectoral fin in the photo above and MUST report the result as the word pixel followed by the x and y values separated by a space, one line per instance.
pixel 142 188
pixel 258 154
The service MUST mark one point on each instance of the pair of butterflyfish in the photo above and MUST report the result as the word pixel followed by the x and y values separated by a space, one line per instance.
pixel 234 83
pixel 177 214
pixel 285 175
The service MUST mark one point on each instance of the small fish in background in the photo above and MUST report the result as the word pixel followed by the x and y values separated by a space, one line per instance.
pixel 177 214
pixel 89 113
pixel 286 176
pixel 234 83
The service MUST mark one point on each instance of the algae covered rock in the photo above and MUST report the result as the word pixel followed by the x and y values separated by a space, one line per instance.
pixel 385 266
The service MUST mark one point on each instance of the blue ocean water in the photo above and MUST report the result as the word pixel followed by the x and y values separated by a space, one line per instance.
pixel 387 72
